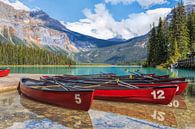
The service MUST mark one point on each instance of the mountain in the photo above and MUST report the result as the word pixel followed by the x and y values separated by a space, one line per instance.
pixel 36 28
pixel 129 51
pixel 188 9
pixel 21 26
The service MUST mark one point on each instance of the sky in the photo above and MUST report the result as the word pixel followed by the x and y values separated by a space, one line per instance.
pixel 104 19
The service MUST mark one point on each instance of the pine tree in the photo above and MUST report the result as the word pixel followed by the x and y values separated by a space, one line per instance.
pixel 161 44
pixel 191 28
pixel 180 30
pixel 151 61
pixel 173 52
pixel 21 55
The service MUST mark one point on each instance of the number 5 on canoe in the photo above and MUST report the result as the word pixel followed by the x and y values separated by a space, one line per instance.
pixel 78 98
pixel 159 94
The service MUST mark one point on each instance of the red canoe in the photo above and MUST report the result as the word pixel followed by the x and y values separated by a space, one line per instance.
pixel 180 89
pixel 4 72
pixel 149 78
pixel 156 79
pixel 160 76
pixel 155 95
pixel 55 94
pixel 156 76
pixel 125 93
pixel 182 85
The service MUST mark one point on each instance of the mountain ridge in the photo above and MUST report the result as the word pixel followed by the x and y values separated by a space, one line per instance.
pixel 37 28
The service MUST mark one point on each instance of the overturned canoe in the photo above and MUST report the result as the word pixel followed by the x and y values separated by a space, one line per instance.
pixel 4 72
pixel 79 99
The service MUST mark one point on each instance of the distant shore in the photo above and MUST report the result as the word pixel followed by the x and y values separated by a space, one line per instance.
pixel 79 65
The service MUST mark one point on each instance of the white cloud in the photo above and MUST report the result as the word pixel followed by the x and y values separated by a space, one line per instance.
pixel 143 3
pixel 186 2
pixel 101 24
pixel 16 4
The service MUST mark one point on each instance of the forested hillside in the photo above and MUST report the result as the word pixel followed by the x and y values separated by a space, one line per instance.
pixel 172 40
pixel 22 55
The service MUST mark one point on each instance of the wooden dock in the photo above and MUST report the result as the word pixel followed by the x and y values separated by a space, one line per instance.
pixel 188 63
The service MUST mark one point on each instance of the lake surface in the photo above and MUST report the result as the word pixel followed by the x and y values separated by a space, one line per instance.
pixel 18 112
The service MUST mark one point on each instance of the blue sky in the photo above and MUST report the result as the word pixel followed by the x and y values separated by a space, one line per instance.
pixel 71 10
pixel 105 19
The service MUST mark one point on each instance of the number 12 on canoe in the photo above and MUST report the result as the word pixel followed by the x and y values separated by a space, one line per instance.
pixel 78 99
pixel 158 94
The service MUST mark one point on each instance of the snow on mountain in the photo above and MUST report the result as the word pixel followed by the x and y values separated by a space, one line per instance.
pixel 19 24
pixel 16 4
pixel 32 28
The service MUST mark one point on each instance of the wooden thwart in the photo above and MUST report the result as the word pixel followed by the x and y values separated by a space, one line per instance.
pixel 50 86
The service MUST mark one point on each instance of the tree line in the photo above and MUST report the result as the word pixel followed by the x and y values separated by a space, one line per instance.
pixel 172 40
pixel 22 55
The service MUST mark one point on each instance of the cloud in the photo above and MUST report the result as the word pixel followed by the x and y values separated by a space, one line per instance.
pixel 101 24
pixel 186 2
pixel 16 4
pixel 143 3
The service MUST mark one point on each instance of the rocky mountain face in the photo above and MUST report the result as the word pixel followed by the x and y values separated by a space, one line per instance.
pixel 19 26
pixel 188 9
pixel 129 51
pixel 36 28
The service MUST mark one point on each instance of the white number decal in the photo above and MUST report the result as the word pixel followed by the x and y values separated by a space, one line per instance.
pixel 159 94
pixel 177 88
pixel 78 98
pixel 174 103
pixel 158 115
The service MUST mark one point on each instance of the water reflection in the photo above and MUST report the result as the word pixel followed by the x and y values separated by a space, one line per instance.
pixel 75 70
pixel 178 102
pixel 153 113
pixel 20 112
pixel 178 114
pixel 66 117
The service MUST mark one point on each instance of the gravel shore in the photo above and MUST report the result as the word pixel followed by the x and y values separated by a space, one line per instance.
pixel 11 82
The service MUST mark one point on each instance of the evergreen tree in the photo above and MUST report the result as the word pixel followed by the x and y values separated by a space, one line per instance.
pixel 191 28
pixel 174 40
pixel 180 30
pixel 21 55
pixel 161 44
pixel 173 52
pixel 151 61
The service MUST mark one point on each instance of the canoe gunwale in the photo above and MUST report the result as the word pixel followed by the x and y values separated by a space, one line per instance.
pixel 53 90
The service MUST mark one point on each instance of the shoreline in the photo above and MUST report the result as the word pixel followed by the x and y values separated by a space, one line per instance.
pixel 10 82
pixel 72 66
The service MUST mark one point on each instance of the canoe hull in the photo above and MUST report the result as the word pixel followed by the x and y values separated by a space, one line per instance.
pixel 4 72
pixel 181 86
pixel 149 95
pixel 79 100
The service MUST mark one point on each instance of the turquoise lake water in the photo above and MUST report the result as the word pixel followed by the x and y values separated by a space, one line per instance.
pixel 120 70
pixel 18 112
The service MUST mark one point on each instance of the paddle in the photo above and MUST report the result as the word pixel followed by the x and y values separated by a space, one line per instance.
pixel 121 83
pixel 83 81
pixel 144 76
pixel 125 84
pixel 91 81
pixel 90 86
pixel 133 73
pixel 56 83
